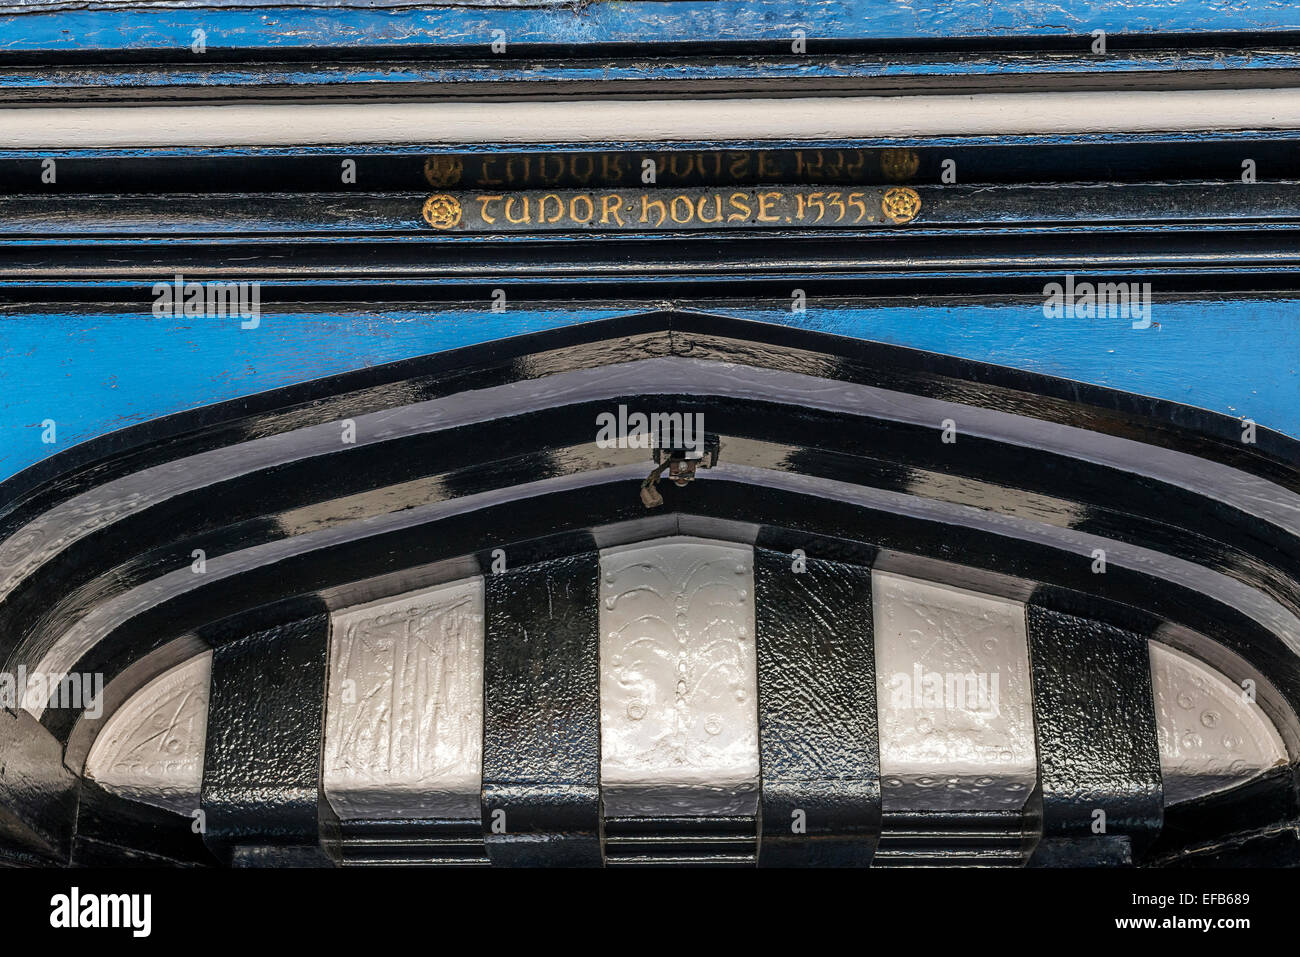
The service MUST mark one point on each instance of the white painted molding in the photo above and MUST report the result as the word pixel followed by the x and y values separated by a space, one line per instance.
pixel 672 120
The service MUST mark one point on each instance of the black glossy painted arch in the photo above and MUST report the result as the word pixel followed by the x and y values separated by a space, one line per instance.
pixel 495 456
pixel 263 799
pixel 837 483
pixel 1155 421
pixel 242 511
pixel 884 454
pixel 567 512
pixel 774 536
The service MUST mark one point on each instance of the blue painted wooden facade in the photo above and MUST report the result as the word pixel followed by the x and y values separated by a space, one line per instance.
pixel 56 25
pixel 93 374
pixel 97 369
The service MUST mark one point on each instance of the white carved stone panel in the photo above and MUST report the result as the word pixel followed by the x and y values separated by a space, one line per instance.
pixel 1211 735
pixel 956 716
pixel 151 748
pixel 404 716
pixel 679 683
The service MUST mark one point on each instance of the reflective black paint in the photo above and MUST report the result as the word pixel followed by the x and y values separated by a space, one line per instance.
pixel 263 801
pixel 541 715
pixel 818 737
pixel 1095 725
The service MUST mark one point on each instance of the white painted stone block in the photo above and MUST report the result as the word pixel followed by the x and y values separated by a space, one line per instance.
pixel 956 718
pixel 404 718
pixel 679 684
pixel 151 748
pixel 1212 736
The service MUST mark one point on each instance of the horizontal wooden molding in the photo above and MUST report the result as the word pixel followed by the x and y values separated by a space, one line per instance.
pixel 651 120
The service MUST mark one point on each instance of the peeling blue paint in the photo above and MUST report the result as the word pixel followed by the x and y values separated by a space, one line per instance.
pixel 94 374
pixel 272 25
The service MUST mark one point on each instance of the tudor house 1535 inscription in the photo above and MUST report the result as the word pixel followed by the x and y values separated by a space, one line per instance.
pixel 654 209
pixel 671 191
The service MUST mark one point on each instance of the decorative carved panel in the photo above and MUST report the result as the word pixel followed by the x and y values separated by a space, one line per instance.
pixel 404 722
pixel 1211 734
pixel 151 748
pixel 678 696
pixel 956 718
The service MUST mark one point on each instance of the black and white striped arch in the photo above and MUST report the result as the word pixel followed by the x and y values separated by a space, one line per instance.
pixel 1069 636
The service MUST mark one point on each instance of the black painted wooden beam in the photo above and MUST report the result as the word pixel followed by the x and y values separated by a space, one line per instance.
pixel 263 800
pixel 1098 757
pixel 541 715
pixel 1207 828
pixel 115 832
pixel 38 796
pixel 818 731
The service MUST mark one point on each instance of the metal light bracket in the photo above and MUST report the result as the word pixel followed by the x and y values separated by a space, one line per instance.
pixel 680 463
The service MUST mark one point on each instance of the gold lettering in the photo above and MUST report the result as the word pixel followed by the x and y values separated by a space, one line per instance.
pixel 855 202
pixel 582 175
pixel 739 165
pixel 611 167
pixel 717 203
pixel 835 201
pixel 541 209
pixel 675 162
pixel 737 200
pixel 805 168
pixel 647 203
pixel 610 204
pixel 525 218
pixel 767 167
pixel 573 209
pixel 483 202
pixel 559 169
pixel 664 208
pixel 526 162
pixel 763 216
pixel 485 177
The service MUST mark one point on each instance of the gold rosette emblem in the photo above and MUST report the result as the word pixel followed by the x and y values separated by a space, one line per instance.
pixel 443 170
pixel 441 211
pixel 899 164
pixel 900 204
